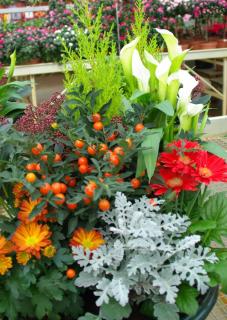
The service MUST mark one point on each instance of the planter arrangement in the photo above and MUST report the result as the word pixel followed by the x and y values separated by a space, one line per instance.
pixel 108 214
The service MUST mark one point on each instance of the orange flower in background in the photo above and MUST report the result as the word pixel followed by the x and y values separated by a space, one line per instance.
pixel 5 246
pixel 5 264
pixel 23 258
pixel 26 208
pixel 91 240
pixel 31 238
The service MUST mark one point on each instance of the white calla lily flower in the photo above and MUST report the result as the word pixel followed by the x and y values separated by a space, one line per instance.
pixel 150 58
pixel 172 43
pixel 140 72
pixel 126 57
pixel 162 73
pixel 194 109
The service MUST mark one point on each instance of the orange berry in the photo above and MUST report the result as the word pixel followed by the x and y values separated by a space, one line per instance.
pixel 45 189
pixel 104 205
pixel 61 198
pixel 72 206
pixel 72 182
pixel 31 166
pixel 63 188
pixel 31 177
pixel 119 151
pixel 135 183
pixel 83 169
pixel 112 137
pixel 93 184
pixel 86 200
pixel 70 273
pixel 89 190
pixel 37 167
pixel 56 187
pixel 120 180
pixel 57 158
pixel 98 126
pixel 139 127
pixel 37 149
pixel 91 150
pixel 43 177
pixel 114 159
pixel 44 157
pixel 82 160
pixel 107 174
pixel 96 117
pixel 79 144
pixel 103 147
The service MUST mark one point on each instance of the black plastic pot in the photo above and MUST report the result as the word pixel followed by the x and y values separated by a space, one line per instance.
pixel 206 305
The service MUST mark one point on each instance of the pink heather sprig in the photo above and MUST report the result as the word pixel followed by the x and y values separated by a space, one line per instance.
pixel 39 119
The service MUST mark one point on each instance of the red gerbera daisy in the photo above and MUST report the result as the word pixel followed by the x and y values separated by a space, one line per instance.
pixel 184 145
pixel 175 182
pixel 210 168
pixel 182 162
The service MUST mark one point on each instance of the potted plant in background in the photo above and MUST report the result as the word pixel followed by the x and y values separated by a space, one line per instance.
pixel 108 192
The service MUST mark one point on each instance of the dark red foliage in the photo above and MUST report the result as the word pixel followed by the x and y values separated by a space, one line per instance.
pixel 39 119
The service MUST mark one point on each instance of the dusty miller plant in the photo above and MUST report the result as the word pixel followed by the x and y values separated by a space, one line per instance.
pixel 146 254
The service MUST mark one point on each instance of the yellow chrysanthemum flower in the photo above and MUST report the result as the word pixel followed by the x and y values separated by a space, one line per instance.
pixel 91 240
pixel 23 258
pixel 31 238
pixel 5 264
pixel 49 251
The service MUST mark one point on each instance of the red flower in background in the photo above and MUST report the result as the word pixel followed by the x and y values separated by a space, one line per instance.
pixel 210 168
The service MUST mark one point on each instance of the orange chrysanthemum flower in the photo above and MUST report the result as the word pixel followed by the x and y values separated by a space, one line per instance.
pixel 18 194
pixel 91 240
pixel 23 258
pixel 5 246
pixel 5 264
pixel 26 208
pixel 31 238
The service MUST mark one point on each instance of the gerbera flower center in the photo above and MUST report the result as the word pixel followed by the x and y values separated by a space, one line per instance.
pixel 175 182
pixel 205 172
pixel 185 160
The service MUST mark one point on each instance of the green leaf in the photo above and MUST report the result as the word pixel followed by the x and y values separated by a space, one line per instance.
pixel 51 285
pixel 215 209
pixel 140 165
pixel 114 311
pixel 215 149
pixel 72 224
pixel 164 311
pixel 43 305
pixel 63 257
pixel 165 107
pixel 89 316
pixel 220 269
pixel 151 148
pixel 203 100
pixel 147 308
pixel 202 225
pixel 186 300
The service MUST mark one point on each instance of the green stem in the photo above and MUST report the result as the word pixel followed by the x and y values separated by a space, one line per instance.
pixel 193 203
pixel 182 201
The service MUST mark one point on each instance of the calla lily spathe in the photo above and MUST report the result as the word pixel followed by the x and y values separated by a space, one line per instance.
pixel 126 58
pixel 140 72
